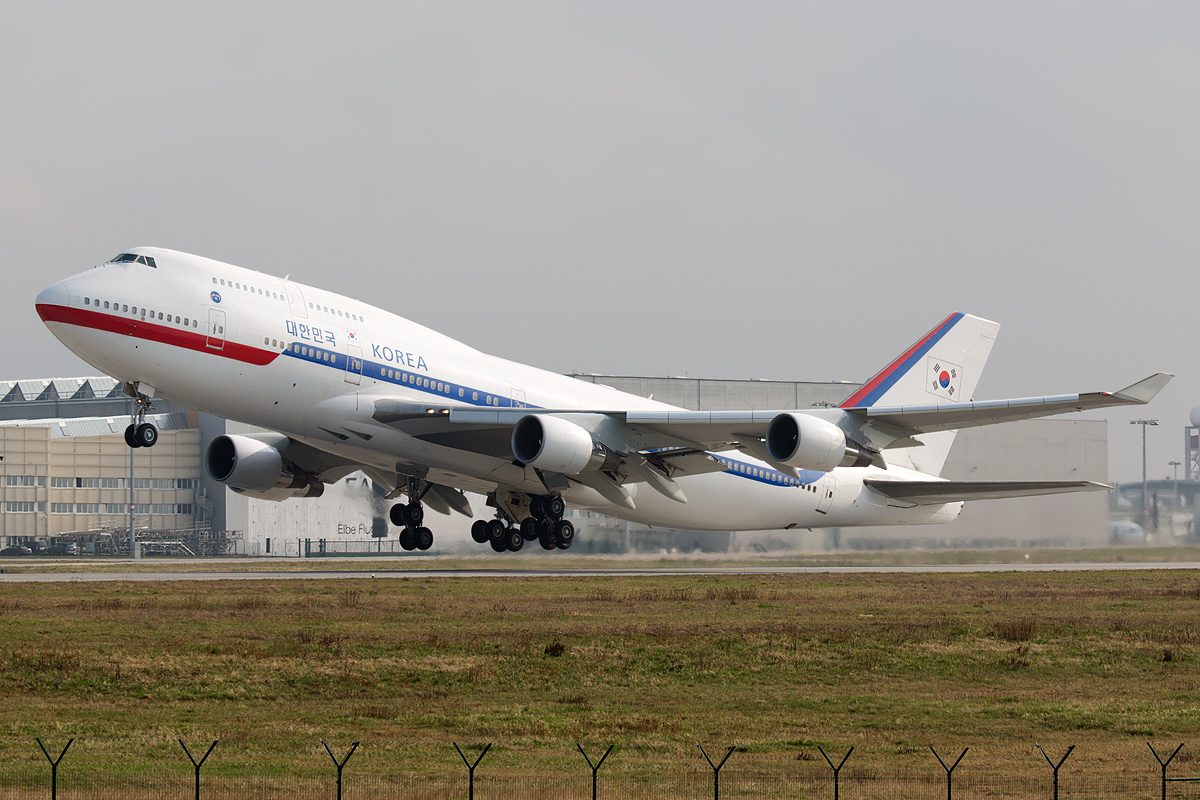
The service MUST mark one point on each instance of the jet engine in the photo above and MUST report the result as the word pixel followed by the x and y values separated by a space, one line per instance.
pixel 557 445
pixel 250 465
pixel 807 442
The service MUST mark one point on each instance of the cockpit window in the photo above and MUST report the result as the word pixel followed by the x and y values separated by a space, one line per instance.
pixel 125 258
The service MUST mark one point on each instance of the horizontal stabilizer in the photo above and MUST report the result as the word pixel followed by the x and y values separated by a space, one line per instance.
pixel 926 493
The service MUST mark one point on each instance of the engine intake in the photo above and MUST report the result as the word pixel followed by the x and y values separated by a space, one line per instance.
pixel 245 463
pixel 557 445
pixel 807 442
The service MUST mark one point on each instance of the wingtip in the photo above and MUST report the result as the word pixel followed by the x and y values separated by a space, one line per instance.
pixel 1145 390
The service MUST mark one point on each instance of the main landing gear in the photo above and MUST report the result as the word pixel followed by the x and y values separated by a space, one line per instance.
pixel 414 535
pixel 141 433
pixel 544 525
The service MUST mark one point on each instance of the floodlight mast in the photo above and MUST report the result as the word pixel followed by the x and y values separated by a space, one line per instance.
pixel 1143 423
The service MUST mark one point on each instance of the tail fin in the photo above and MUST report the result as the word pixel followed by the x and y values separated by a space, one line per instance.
pixel 944 366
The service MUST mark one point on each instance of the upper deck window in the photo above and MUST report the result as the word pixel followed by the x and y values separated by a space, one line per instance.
pixel 125 258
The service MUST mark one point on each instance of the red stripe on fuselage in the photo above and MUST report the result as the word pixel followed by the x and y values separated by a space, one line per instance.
pixel 153 332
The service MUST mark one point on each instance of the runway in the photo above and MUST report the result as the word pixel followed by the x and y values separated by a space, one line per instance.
pixel 383 573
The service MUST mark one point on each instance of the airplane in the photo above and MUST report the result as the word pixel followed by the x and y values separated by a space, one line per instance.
pixel 342 386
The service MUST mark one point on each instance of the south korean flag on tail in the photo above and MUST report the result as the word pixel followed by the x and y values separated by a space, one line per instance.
pixel 944 379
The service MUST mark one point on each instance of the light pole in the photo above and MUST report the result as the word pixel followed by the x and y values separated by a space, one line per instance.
pixel 1143 423
pixel 1175 469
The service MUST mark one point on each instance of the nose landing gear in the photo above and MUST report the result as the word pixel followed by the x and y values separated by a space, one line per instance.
pixel 141 433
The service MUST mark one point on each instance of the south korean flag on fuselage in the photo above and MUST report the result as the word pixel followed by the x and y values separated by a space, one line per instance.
pixel 944 379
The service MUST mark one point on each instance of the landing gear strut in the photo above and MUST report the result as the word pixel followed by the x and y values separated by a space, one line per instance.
pixel 141 433
pixel 413 536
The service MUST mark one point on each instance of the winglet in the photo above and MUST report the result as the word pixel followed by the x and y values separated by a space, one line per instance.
pixel 1144 390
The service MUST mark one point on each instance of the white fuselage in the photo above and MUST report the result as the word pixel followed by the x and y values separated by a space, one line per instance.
pixel 311 363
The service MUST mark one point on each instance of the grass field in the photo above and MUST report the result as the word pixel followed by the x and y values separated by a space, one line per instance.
pixel 534 559
pixel 888 664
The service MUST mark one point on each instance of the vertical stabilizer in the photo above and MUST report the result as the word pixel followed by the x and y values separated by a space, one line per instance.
pixel 944 366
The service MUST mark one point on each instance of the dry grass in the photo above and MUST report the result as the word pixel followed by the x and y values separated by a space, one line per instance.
pixel 888 664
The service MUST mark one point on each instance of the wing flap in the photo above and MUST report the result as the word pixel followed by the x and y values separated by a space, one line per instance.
pixel 686 461
pixel 924 493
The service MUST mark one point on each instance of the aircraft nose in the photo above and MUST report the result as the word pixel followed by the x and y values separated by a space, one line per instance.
pixel 55 294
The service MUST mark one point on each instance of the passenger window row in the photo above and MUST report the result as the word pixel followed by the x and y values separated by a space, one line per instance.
pixel 432 385
pixel 276 296
pixel 332 311
pixel 315 354
pixel 245 287
pixel 143 312
pixel 770 475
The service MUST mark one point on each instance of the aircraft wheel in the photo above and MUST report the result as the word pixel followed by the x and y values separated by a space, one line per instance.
pixel 529 529
pixel 479 531
pixel 537 507
pixel 514 540
pixel 146 435
pixel 499 545
pixel 423 538
pixel 546 535
pixel 396 515
pixel 406 539
pixel 495 530
pixel 131 436
pixel 555 507
pixel 564 532
pixel 414 515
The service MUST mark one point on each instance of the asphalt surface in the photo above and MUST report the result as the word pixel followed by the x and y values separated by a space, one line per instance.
pixel 382 572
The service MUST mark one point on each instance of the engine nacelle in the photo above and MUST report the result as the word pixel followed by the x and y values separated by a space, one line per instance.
pixel 252 466
pixel 807 442
pixel 557 445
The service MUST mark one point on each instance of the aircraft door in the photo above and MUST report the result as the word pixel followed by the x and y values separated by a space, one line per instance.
pixel 216 329
pixel 295 299
pixel 353 364
pixel 826 486
pixel 518 398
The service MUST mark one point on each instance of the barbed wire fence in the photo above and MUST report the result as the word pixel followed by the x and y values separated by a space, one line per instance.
pixel 386 770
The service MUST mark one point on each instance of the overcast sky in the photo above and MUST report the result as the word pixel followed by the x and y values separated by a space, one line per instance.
pixel 769 190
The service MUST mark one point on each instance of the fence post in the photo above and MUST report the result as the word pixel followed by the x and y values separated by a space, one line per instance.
pixel 716 768
pixel 471 768
pixel 197 764
pixel 595 767
pixel 836 770
pixel 339 765
pixel 1054 766
pixel 1164 764
pixel 949 769
pixel 54 766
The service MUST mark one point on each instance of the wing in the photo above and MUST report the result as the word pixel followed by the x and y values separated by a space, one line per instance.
pixel 952 416
pixel 888 426
pixel 605 448
pixel 654 447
